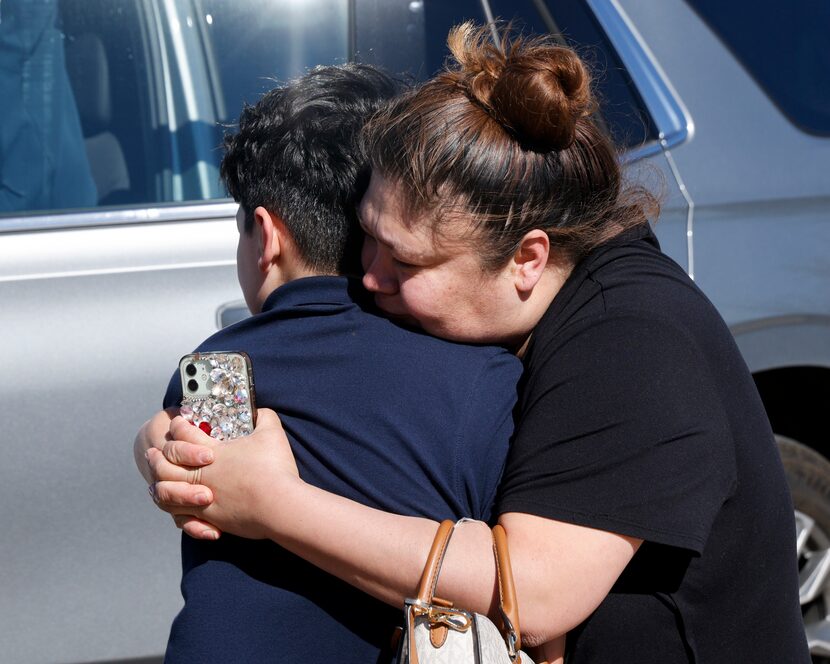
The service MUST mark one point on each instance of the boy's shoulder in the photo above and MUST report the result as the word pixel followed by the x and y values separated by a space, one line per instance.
pixel 328 339
pixel 354 322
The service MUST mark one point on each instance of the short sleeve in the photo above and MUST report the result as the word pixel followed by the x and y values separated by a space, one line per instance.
pixel 621 428
pixel 173 396
pixel 484 433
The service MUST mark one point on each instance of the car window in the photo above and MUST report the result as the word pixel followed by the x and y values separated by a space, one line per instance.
pixel 124 102
pixel 42 163
pixel 402 35
pixel 783 45
pixel 257 42
pixel 621 108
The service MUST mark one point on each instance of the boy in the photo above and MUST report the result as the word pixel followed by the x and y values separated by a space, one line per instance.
pixel 390 417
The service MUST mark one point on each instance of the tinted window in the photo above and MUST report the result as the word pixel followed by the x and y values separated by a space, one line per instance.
pixel 408 36
pixel 784 46
pixel 123 102
pixel 43 163
pixel 621 108
pixel 403 35
pixel 256 41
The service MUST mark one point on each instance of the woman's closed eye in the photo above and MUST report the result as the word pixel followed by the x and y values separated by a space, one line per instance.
pixel 404 264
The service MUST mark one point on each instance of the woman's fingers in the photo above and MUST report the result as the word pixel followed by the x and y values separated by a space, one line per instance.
pixel 174 494
pixel 183 453
pixel 196 528
pixel 181 429
pixel 267 418
pixel 189 445
pixel 161 470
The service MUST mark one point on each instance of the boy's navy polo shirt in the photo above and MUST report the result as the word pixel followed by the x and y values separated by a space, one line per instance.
pixel 389 417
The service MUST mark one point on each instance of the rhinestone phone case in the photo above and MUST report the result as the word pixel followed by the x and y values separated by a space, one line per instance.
pixel 218 389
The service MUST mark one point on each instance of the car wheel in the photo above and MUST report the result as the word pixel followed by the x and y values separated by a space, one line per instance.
pixel 808 474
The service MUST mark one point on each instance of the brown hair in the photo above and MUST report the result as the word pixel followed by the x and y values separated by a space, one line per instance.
pixel 505 135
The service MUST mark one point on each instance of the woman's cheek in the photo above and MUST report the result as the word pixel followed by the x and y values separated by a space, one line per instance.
pixel 411 293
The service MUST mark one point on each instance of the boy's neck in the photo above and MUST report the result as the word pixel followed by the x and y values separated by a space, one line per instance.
pixel 279 276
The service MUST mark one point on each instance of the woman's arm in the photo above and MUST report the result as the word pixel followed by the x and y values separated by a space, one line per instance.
pixel 552 652
pixel 562 571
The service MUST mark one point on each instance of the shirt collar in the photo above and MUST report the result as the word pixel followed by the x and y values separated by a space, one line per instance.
pixel 320 290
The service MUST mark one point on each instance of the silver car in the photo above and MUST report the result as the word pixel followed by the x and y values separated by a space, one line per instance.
pixel 117 245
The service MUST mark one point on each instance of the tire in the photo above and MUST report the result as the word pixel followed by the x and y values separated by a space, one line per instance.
pixel 808 474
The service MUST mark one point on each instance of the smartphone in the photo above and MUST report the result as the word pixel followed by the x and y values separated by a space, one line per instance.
pixel 218 393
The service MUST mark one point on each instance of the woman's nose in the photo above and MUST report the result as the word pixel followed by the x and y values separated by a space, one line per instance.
pixel 377 278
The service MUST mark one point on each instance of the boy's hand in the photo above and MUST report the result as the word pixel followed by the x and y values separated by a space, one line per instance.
pixel 153 433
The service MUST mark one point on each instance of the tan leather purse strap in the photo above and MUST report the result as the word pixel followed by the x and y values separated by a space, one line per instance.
pixel 508 605
pixel 429 578
pixel 507 591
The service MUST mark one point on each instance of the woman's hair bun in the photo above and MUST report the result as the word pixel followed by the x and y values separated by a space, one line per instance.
pixel 536 89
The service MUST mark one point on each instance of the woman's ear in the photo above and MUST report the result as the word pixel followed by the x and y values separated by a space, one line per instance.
pixel 270 231
pixel 530 260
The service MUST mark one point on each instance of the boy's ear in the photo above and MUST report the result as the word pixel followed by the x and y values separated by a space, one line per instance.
pixel 271 237
pixel 530 260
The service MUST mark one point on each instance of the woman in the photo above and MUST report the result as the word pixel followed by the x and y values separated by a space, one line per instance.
pixel 643 498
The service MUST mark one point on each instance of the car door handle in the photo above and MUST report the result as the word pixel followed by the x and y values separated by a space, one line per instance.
pixel 230 313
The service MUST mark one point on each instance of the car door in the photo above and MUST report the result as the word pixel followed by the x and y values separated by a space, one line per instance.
pixel 117 256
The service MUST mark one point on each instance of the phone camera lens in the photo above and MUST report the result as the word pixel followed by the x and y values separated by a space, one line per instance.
pixel 190 369
pixel 192 385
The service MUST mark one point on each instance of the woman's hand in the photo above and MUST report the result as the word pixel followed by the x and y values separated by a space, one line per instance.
pixel 165 486
pixel 155 434
pixel 236 492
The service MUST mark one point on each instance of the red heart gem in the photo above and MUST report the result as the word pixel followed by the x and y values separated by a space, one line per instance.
pixel 205 426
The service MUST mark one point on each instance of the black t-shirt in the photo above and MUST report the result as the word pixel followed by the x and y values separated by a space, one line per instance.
pixel 638 416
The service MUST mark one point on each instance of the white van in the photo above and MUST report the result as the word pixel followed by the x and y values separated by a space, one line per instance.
pixel 117 245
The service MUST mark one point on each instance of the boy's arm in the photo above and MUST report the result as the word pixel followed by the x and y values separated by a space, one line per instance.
pixel 153 433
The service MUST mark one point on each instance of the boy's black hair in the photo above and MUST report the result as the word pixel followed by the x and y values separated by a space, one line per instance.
pixel 298 154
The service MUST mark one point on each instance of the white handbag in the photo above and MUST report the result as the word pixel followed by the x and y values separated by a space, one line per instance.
pixel 435 632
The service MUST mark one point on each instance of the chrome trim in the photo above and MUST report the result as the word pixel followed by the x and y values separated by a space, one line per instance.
pixel 648 149
pixel 67 274
pixel 187 89
pixel 673 122
pixel 548 20
pixel 351 45
pixel 194 83
pixel 168 106
pixel 491 21
pixel 690 209
pixel 116 217
pixel 671 118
